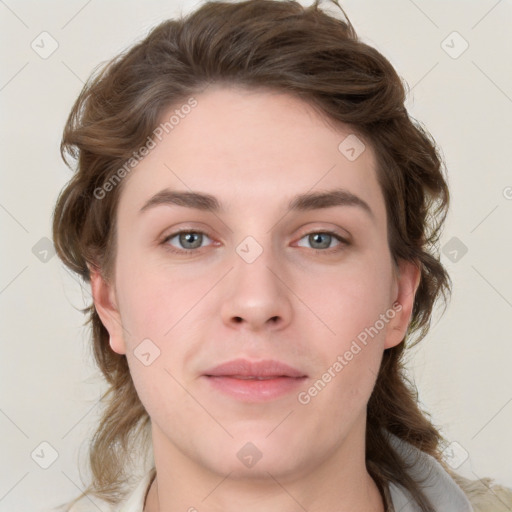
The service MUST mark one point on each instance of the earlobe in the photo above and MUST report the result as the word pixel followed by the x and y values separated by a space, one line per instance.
pixel 407 283
pixel 106 306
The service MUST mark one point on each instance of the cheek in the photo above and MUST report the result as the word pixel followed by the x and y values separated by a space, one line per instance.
pixel 351 299
pixel 154 312
pixel 154 300
pixel 356 304
pixel 345 381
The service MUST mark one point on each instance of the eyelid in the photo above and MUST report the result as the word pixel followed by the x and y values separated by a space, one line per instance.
pixel 328 230
pixel 173 234
pixel 343 240
pixel 171 231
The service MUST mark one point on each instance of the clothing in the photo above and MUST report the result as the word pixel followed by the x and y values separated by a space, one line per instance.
pixel 447 491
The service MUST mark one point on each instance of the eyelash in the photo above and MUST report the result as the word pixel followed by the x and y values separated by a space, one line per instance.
pixel 188 252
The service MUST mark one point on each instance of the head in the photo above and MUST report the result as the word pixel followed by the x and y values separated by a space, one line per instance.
pixel 266 128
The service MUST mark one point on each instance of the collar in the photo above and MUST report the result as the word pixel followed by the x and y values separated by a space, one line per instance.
pixel 436 483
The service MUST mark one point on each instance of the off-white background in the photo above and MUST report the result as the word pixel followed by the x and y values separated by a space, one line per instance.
pixel 50 389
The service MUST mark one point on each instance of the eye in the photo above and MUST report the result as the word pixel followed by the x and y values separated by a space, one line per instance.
pixel 187 241
pixel 322 240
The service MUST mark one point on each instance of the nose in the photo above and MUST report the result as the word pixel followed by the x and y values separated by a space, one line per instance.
pixel 256 296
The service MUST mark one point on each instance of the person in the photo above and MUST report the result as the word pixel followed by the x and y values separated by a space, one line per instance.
pixel 258 218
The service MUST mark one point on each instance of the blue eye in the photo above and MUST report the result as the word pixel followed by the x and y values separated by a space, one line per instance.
pixel 321 240
pixel 188 240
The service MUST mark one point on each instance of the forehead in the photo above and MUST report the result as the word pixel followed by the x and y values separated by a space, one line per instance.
pixel 253 148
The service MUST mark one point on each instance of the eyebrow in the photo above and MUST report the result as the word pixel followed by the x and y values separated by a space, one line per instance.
pixel 301 202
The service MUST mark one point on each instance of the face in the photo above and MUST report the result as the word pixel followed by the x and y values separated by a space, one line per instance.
pixel 271 274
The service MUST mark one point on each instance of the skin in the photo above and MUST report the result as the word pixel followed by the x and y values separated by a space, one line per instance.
pixel 254 150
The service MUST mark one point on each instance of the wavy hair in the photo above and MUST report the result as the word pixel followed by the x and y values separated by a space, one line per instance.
pixel 284 46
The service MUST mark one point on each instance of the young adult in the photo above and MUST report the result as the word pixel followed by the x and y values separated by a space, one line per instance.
pixel 257 216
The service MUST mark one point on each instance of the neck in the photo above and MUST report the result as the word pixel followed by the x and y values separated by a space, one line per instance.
pixel 339 484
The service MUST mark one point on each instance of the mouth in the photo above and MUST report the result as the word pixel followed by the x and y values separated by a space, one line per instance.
pixel 252 377
pixel 255 381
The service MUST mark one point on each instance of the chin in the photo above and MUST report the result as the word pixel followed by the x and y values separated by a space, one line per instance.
pixel 262 470
pixel 255 456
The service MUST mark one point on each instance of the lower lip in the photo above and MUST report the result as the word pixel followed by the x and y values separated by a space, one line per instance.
pixel 253 390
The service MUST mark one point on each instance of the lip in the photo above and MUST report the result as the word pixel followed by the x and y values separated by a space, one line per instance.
pixel 246 368
pixel 253 381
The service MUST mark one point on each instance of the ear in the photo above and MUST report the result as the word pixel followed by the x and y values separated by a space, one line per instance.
pixel 105 302
pixel 407 279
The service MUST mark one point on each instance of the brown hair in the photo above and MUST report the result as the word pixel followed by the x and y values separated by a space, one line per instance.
pixel 283 46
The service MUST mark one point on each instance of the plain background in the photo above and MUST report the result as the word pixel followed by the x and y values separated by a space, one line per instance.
pixel 50 388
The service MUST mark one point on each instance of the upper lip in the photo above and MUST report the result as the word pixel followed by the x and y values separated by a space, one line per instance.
pixel 246 368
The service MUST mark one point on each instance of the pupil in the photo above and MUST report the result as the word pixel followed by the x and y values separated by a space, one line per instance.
pixel 189 238
pixel 317 238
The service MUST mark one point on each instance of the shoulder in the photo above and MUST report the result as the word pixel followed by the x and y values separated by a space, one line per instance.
pixel 446 489
pixel 483 495
pixel 132 502
pixel 85 503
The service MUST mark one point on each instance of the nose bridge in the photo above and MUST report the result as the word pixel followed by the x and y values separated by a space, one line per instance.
pixel 256 294
pixel 253 263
